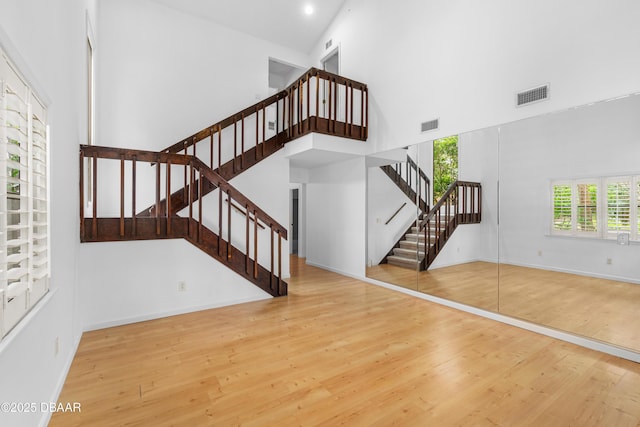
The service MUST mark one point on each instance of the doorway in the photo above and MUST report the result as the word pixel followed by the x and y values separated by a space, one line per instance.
pixel 282 74
pixel 295 224
pixel 331 64
pixel 445 165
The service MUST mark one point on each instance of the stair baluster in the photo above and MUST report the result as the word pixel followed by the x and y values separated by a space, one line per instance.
pixel 167 224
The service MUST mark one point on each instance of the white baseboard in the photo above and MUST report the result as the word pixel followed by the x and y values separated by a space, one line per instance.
pixel 335 270
pixel 159 315
pixel 435 266
pixel 576 272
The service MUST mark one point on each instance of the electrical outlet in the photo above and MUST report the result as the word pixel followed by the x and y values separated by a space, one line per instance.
pixel 539 253
pixel 623 239
pixel 182 286
pixel 609 261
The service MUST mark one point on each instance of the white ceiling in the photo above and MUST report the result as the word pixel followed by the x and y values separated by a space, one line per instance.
pixel 280 21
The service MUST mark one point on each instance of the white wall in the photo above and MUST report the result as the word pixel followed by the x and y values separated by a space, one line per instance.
pixel 384 198
pixel 336 217
pixel 47 40
pixel 592 141
pixel 145 281
pixel 463 61
pixel 140 282
pixel 164 75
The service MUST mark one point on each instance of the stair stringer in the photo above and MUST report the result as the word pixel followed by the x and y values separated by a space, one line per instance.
pixel 267 185
pixel 232 257
pixel 201 237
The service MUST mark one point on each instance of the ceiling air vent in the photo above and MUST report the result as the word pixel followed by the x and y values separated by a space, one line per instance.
pixel 430 125
pixel 537 94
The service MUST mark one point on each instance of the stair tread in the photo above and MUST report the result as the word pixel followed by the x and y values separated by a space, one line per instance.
pixel 409 244
pixel 408 253
pixel 413 237
pixel 403 262
pixel 415 229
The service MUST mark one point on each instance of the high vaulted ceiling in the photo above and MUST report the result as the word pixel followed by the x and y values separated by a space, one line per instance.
pixel 280 21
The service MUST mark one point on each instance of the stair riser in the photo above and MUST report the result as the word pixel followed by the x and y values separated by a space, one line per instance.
pixel 433 229
pixel 403 263
pixel 408 253
pixel 406 244
pixel 420 237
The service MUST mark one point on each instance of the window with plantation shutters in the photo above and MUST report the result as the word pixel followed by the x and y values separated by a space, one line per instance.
pixel 619 204
pixel 24 199
pixel 601 207
pixel 637 205
pixel 575 208
pixel 587 207
pixel 562 208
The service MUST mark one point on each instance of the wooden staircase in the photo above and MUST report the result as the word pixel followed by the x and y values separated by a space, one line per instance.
pixel 410 250
pixel 184 173
pixel 421 244
pixel 411 180
pixel 295 112
pixel 218 244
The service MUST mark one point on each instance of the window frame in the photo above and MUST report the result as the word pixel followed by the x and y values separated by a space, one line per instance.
pixel 25 229
pixel 603 230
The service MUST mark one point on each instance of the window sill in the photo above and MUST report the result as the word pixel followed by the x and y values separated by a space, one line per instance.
pixel 591 238
pixel 26 320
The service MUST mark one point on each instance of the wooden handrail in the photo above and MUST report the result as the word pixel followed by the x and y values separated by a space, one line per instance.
pixel 417 189
pixel 395 213
pixel 247 140
pixel 241 212
pixel 167 224
pixel 462 204
pixel 294 111
pixel 450 190
pixel 100 152
pixel 423 193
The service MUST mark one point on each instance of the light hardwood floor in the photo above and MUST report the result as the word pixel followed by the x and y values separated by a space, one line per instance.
pixel 601 309
pixel 338 351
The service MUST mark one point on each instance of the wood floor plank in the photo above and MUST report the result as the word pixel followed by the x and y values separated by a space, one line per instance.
pixel 338 351
pixel 596 308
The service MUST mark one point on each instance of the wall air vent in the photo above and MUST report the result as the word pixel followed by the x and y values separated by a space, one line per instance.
pixel 328 44
pixel 530 96
pixel 430 125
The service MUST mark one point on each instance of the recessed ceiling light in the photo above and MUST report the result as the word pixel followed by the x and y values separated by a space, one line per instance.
pixel 308 9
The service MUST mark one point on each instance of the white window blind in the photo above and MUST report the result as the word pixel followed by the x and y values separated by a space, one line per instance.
pixel 586 207
pixel 24 198
pixel 600 207
pixel 619 205
pixel 562 208
pixel 637 205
